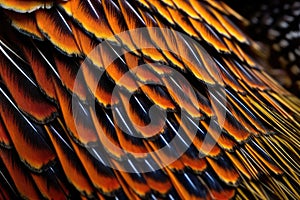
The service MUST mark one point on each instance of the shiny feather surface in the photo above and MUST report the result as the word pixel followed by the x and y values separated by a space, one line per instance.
pixel 66 132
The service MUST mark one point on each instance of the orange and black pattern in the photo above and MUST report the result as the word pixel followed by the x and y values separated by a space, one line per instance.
pixel 49 152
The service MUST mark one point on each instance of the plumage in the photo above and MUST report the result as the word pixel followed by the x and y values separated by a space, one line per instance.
pixel 276 25
pixel 182 108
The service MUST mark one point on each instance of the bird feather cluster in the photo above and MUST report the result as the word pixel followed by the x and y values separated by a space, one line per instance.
pixel 50 151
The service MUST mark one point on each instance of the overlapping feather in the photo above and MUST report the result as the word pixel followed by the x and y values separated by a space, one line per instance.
pixel 43 153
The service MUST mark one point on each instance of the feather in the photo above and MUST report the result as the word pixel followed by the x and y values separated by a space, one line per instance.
pixel 25 6
pixel 93 107
pixel 23 181
pixel 18 79
pixel 25 135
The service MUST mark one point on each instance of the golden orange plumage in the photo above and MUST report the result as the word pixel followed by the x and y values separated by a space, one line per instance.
pixel 76 124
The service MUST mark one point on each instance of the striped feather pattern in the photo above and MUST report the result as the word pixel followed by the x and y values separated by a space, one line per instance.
pixel 49 151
